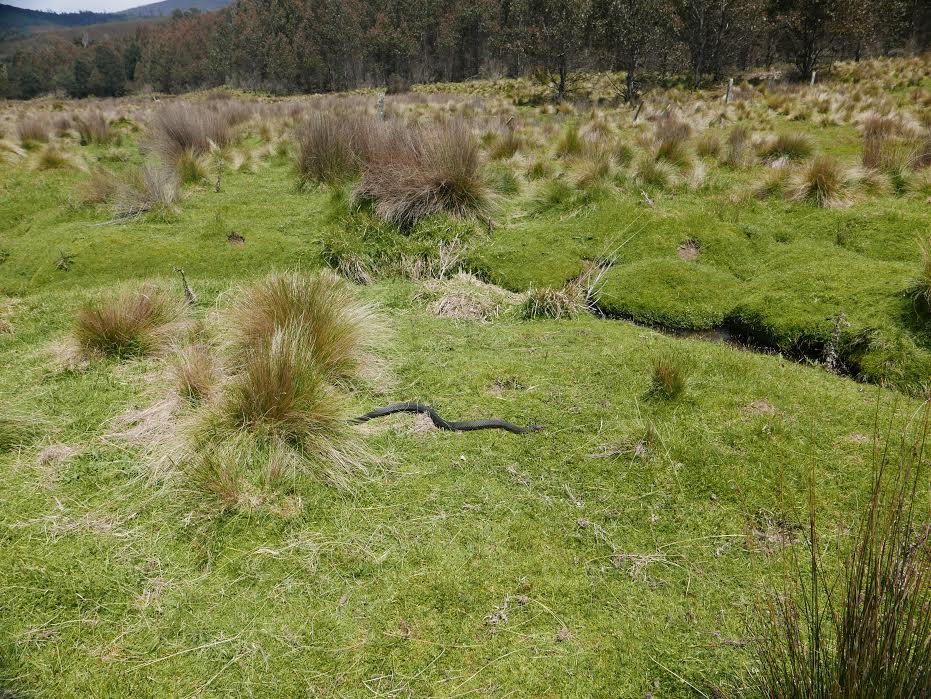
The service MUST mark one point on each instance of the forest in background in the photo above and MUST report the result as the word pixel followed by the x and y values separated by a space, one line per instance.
pixel 302 46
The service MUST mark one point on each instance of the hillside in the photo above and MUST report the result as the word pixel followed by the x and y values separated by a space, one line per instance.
pixel 17 21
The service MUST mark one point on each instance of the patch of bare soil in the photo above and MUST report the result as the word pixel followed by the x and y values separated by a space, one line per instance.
pixel 689 251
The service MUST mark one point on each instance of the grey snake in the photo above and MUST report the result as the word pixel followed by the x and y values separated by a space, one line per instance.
pixel 463 426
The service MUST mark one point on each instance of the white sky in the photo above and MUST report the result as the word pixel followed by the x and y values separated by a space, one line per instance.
pixel 76 5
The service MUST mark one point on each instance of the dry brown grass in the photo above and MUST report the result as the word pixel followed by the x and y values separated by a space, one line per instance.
pixel 332 148
pixel 150 187
pixel 671 136
pixel 99 188
pixel 183 127
pixel 195 372
pixel 33 128
pixel 425 171
pixel 94 128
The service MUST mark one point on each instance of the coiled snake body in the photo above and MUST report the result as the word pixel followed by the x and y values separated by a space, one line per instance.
pixel 464 426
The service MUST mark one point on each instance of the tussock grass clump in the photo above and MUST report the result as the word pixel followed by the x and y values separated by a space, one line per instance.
pixel 559 195
pixel 33 129
pixel 543 302
pixel 506 146
pixel 864 631
pixel 339 330
pixel 280 388
pixel 880 134
pixel 671 136
pixel 332 148
pixel 94 128
pixel 183 127
pixel 737 152
pixel 791 146
pixel 192 168
pixel 280 412
pixel 136 323
pixel 571 142
pixel 152 187
pixel 10 152
pixel 920 289
pixel 708 145
pixel 195 372
pixel 431 171
pixel 656 173
pixel 99 188
pixel 51 157
pixel 670 378
pixel 824 182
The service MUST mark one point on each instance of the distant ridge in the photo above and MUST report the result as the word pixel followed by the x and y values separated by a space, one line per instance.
pixel 19 22
pixel 166 7
pixel 16 20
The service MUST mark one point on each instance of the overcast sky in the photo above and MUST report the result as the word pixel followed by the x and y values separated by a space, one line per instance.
pixel 76 5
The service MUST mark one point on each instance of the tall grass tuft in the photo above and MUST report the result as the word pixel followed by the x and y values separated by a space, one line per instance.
pixel 136 323
pixel 195 372
pixel 791 146
pixel 879 136
pixel 99 188
pixel 149 188
pixel 339 331
pixel 331 148
pixel 737 152
pixel 543 302
pixel 865 631
pixel 824 181
pixel 183 127
pixel 920 289
pixel 94 128
pixel 671 136
pixel 295 338
pixel 426 171
pixel 670 378
pixel 32 129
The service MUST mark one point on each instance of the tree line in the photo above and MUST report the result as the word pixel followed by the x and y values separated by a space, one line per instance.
pixel 297 46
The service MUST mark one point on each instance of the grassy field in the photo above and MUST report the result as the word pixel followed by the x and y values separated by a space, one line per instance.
pixel 621 551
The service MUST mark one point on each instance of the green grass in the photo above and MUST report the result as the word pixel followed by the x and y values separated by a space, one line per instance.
pixel 643 526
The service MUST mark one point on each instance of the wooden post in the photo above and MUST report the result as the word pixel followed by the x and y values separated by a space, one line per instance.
pixel 814 74
pixel 637 113
pixel 380 106
pixel 730 86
